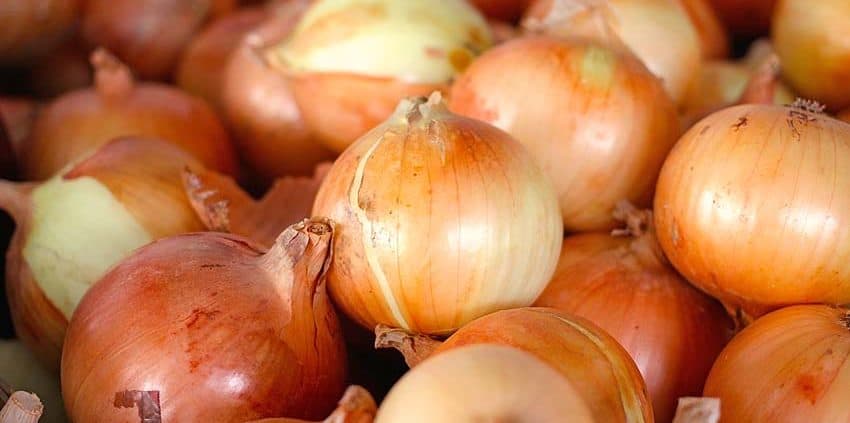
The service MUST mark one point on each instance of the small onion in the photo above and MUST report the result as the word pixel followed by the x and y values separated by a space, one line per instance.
pixel 673 331
pixel 749 18
pixel 79 122
pixel 503 10
pixel 792 365
pixel 811 39
pixel 352 61
pixel 31 28
pixel 599 123
pixel 76 225
pixel 749 207
pixel 713 37
pixel 441 219
pixel 209 327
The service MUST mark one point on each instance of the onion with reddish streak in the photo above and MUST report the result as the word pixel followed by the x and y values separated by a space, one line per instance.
pixel 749 207
pixel 673 331
pixel 209 327
pixel 792 365
pixel 31 28
pixel 599 123
pixel 77 123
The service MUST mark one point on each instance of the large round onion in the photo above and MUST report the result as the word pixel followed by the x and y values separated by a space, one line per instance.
pixel 598 122
pixel 792 365
pixel 673 331
pixel 31 28
pixel 811 39
pixel 209 327
pixel 441 219
pixel 79 122
pixel 749 207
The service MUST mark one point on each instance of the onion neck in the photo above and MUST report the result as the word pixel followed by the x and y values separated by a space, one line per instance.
pixel 22 407
pixel 592 19
pixel 299 260
pixel 414 347
pixel 639 227
pixel 113 80
pixel 762 86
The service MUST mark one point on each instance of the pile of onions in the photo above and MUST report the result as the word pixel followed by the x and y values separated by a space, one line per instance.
pixel 502 10
pixel 792 365
pixel 348 81
pixel 673 331
pixel 149 35
pixel 750 18
pixel 260 108
pixel 209 327
pixel 31 28
pixel 441 219
pixel 811 39
pixel 75 226
pixel 634 24
pixel 599 123
pixel 712 35
pixel 606 378
pixel 749 207
pixel 79 122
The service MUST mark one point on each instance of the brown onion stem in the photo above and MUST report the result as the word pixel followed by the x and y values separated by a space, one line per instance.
pixel 639 226
pixel 22 407
pixel 112 78
pixel 414 347
pixel 762 86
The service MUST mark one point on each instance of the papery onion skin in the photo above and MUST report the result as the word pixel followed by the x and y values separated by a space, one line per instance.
pixel 487 383
pixel 503 10
pixel 221 329
pixel 810 38
pixel 746 19
pixel 31 28
pixel 748 207
pixel 599 123
pixel 441 219
pixel 79 122
pixel 673 331
pixel 792 365
pixel 713 37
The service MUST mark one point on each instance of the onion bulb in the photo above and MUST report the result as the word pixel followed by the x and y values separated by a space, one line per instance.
pixel 712 35
pixel 356 406
pixel 209 327
pixel 811 39
pixel 750 18
pixel 599 123
pixel 441 219
pixel 673 331
pixel 31 28
pixel 605 376
pixel 635 24
pixel 20 369
pixel 749 207
pixel 503 10
pixel 77 123
pixel 73 227
pixel 257 100
pixel 348 81
pixel 792 365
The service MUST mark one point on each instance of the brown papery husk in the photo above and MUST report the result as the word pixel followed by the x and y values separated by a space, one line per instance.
pixel 22 407
pixel 355 406
pixel 193 293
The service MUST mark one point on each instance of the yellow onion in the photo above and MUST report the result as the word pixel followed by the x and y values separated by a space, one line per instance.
pixel 749 18
pixel 712 35
pixel 74 226
pixel 352 61
pixel 598 122
pixel 20 369
pixel 441 219
pixel 792 365
pixel 749 207
pixel 355 406
pixel 31 28
pixel 811 39
pixel 79 122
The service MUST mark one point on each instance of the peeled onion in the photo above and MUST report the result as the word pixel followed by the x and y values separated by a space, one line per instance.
pixel 792 365
pixel 209 327
pixel 749 207
pixel 77 123
pixel 31 28
pixel 73 227
pixel 673 331
pixel 598 122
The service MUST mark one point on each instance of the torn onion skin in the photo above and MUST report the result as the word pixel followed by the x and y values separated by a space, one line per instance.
pixel 409 252
pixel 673 331
pixel 355 406
pixel 588 125
pixel 32 28
pixel 748 208
pixel 792 365
pixel 218 327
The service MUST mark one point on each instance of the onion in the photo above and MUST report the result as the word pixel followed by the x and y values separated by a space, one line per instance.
pixel 22 371
pixel 202 66
pixel 810 38
pixel 606 377
pixel 65 69
pixel 149 35
pixel 598 123
pixel 503 10
pixel 792 365
pixel 31 28
pixel 209 327
pixel 348 81
pixel 77 123
pixel 76 225
pixel 748 207
pixel 356 406
pixel 712 35
pixel 673 331
pixel 750 18
pixel 260 108
pixel 441 219
pixel 635 24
